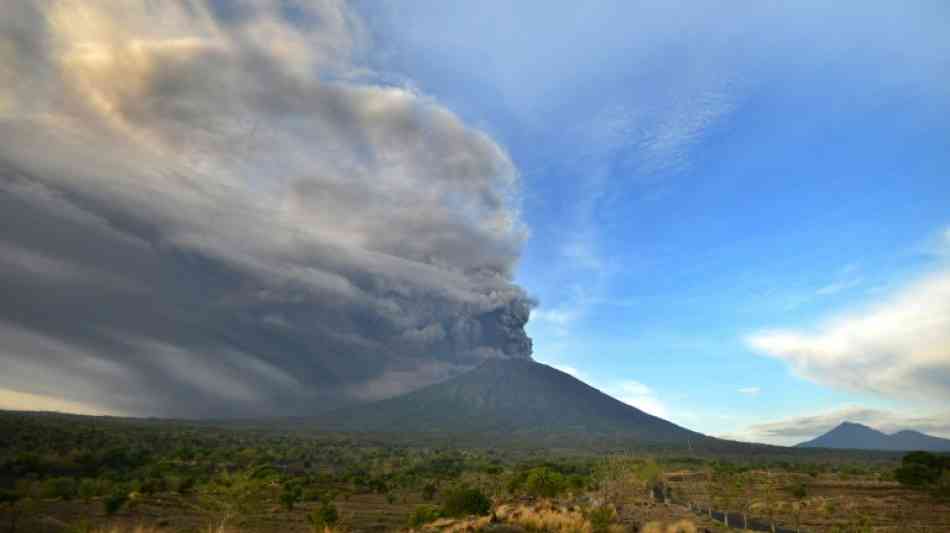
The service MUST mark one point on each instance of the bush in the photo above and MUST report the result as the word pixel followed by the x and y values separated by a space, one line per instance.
pixel 153 485
pixel 920 469
pixel 290 494
pixel 87 489
pixel 113 502
pixel 601 517
pixel 8 496
pixel 429 491
pixel 59 487
pixel 545 483
pixel 324 516
pixel 104 487
pixel 311 494
pixel 465 501
pixel 424 514
pixel 180 484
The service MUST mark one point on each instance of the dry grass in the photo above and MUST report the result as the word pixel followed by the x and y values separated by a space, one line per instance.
pixel 683 526
pixel 449 525
pixel 544 517
pixel 136 529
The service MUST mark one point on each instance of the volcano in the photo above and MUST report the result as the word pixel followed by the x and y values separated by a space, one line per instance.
pixel 509 397
pixel 850 435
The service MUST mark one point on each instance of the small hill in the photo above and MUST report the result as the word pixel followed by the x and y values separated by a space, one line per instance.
pixel 850 435
pixel 509 397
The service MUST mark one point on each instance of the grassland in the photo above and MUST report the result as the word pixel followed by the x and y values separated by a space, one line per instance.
pixel 63 473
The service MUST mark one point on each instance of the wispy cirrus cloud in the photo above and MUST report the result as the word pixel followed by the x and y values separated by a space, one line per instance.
pixel 839 286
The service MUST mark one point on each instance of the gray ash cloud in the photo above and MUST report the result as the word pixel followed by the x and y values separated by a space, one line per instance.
pixel 210 215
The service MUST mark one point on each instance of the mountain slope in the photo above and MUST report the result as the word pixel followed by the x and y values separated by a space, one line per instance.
pixel 508 397
pixel 860 437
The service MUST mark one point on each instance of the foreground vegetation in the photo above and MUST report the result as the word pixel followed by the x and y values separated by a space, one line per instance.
pixel 60 473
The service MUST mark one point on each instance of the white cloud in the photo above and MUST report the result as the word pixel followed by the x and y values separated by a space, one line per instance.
pixel 567 369
pixel 792 430
pixel 750 391
pixel 582 252
pixel 839 286
pixel 638 395
pixel 899 347
pixel 560 316
pixel 628 391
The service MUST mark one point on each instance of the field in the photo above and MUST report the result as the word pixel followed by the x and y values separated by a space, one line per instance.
pixel 61 474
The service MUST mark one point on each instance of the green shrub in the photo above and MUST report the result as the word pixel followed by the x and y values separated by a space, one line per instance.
pixel 576 482
pixel 290 494
pixel 87 489
pixel 922 469
pixel 179 484
pixel 545 483
pixel 59 487
pixel 311 494
pixel 8 496
pixel 465 501
pixel 424 514
pixel 429 491
pixel 601 517
pixel 104 487
pixel 324 516
pixel 113 502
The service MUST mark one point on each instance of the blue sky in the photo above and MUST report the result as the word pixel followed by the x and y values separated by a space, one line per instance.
pixel 695 175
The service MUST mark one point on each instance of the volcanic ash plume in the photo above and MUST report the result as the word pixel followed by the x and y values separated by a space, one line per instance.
pixel 219 212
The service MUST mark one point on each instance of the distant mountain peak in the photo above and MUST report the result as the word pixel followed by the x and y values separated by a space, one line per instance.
pixel 853 435
pixel 853 426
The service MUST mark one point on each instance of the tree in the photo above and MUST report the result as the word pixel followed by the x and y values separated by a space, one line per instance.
pixel 87 489
pixel 828 507
pixel 921 469
pixel 422 515
pixel 768 500
pixel 799 492
pixel 59 487
pixel 941 489
pixel 19 507
pixel 544 482
pixel 726 493
pixel 744 489
pixel 290 494
pixel 231 496
pixel 601 517
pixel 428 491
pixel 465 501
pixel 914 475
pixel 9 498
pixel 114 501
pixel 649 475
pixel 323 517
